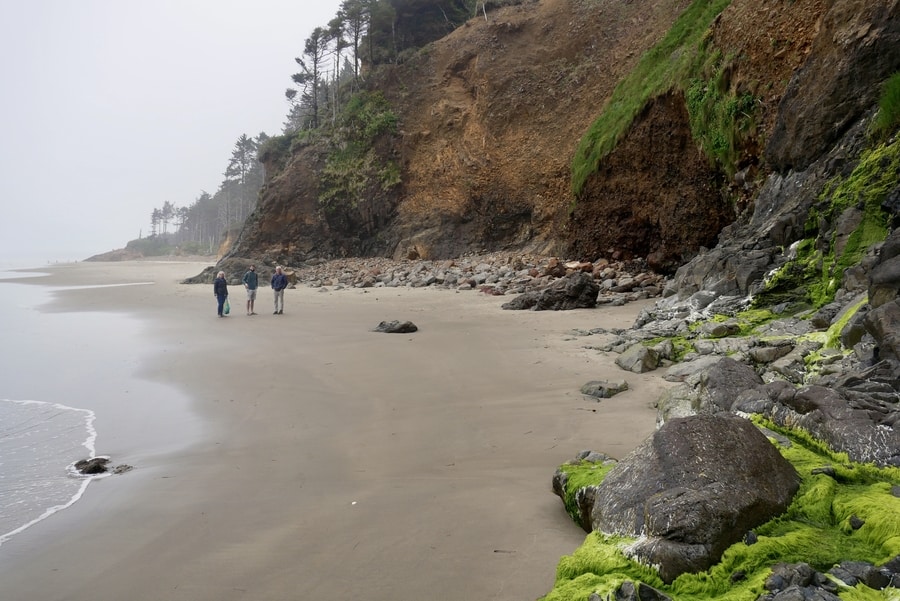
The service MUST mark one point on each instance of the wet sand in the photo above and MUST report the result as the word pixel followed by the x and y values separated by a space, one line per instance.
pixel 326 461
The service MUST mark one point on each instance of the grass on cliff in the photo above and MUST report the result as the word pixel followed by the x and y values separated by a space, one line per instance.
pixel 815 529
pixel 816 271
pixel 721 122
pixel 888 119
pixel 670 63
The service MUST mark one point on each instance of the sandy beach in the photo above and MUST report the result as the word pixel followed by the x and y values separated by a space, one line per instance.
pixel 316 459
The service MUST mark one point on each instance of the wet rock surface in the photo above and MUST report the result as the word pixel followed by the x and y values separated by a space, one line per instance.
pixel 99 465
pixel 692 489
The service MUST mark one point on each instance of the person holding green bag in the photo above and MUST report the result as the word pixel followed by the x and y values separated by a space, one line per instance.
pixel 220 289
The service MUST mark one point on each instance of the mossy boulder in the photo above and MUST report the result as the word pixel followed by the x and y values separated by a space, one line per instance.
pixel 692 490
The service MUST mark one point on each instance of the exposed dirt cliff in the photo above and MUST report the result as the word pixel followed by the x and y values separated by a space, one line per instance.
pixel 490 117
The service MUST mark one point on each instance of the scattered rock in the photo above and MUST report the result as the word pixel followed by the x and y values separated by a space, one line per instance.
pixel 99 465
pixel 638 359
pixel 93 466
pixel 499 273
pixel 604 389
pixel 396 327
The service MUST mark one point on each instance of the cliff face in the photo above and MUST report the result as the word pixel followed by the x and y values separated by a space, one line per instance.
pixel 491 115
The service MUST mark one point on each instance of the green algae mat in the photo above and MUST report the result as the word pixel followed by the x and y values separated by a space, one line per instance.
pixel 816 529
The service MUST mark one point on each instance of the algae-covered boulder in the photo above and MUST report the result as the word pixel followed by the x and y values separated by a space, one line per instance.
pixel 862 427
pixel 693 489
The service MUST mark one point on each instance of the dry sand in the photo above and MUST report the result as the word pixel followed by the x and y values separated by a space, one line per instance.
pixel 332 462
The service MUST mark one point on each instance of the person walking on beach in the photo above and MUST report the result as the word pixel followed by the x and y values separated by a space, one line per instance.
pixel 279 283
pixel 220 289
pixel 251 283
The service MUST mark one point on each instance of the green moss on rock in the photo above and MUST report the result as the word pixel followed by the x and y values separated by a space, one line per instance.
pixel 581 475
pixel 815 529
pixel 815 272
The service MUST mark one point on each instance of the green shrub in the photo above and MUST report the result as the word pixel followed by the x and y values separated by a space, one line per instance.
pixel 274 150
pixel 721 121
pixel 888 118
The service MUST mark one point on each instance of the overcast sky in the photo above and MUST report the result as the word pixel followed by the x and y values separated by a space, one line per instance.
pixel 111 107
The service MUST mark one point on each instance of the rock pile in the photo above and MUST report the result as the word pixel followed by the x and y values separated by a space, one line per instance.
pixel 493 273
pixel 500 273
pixel 833 371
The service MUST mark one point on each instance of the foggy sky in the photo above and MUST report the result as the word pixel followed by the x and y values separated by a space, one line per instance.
pixel 111 107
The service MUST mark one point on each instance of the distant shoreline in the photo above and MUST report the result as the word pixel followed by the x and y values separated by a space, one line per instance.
pixel 123 254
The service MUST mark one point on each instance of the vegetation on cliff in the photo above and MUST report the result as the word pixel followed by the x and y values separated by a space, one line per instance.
pixel 357 180
pixel 887 120
pixel 673 62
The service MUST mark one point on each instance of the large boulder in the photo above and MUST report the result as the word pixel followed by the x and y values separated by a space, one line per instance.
pixel 693 489
pixel 578 290
pixel 724 381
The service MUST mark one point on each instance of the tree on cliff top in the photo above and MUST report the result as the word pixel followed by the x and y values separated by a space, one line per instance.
pixel 309 78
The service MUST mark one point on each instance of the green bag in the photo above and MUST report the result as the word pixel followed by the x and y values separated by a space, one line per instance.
pixel 227 308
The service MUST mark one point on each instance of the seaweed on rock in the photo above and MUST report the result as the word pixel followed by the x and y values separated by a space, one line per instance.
pixel 821 528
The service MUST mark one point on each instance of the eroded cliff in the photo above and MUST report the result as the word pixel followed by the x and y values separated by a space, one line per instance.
pixel 491 117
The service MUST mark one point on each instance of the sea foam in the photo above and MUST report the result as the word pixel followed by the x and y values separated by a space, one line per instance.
pixel 39 445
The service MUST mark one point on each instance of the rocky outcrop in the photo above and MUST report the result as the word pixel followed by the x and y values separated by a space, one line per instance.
pixel 93 466
pixel 857 48
pixel 96 466
pixel 849 401
pixel 760 241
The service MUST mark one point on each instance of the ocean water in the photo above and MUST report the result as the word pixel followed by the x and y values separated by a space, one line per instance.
pixel 39 445
pixel 70 389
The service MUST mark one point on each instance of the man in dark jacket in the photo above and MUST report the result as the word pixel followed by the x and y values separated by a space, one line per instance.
pixel 279 283
pixel 220 289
